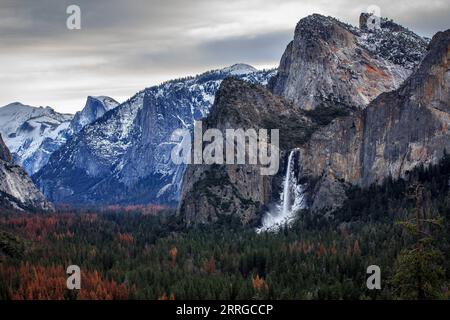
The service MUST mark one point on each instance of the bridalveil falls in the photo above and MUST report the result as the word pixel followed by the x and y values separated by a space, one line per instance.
pixel 292 199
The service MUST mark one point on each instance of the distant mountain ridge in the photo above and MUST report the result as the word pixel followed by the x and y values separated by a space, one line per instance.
pixel 124 157
pixel 33 134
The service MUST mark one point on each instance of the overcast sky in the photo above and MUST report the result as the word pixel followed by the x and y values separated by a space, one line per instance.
pixel 126 45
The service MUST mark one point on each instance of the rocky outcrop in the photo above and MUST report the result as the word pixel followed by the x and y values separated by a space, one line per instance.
pixel 17 191
pixel 397 131
pixel 212 192
pixel 331 64
pixel 5 155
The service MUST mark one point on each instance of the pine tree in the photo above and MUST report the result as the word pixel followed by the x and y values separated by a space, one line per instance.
pixel 419 272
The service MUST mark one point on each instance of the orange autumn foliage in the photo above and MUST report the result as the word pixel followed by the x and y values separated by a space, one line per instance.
pixel 93 287
pixel 164 296
pixel 333 249
pixel 259 284
pixel 125 238
pixel 356 248
pixel 36 227
pixel 149 209
pixel 173 255
pixel 210 265
pixel 306 247
pixel 28 282
pixel 321 251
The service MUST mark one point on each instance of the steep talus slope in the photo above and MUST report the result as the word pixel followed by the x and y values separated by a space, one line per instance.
pixel 210 192
pixel 331 64
pixel 17 191
pixel 396 132
pixel 124 157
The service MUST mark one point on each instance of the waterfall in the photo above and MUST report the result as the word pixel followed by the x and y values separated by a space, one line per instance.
pixel 287 183
pixel 284 212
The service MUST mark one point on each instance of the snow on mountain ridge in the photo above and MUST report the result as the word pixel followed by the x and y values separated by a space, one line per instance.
pixel 16 113
pixel 239 69
pixel 26 129
pixel 34 133
pixel 94 109
pixel 391 41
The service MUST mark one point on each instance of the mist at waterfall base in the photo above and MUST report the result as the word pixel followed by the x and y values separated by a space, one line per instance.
pixel 292 199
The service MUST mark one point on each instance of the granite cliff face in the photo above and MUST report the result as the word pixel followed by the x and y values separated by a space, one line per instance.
pixel 330 63
pixel 17 191
pixel 5 155
pixel 398 131
pixel 211 192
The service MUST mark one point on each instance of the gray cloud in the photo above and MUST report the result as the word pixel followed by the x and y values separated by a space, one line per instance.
pixel 124 46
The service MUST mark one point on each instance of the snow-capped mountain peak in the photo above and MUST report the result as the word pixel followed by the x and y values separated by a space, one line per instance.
pixel 34 133
pixel 15 114
pixel 108 102
pixel 239 69
pixel 94 108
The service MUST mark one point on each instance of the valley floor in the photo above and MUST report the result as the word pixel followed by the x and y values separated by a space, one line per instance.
pixel 127 254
